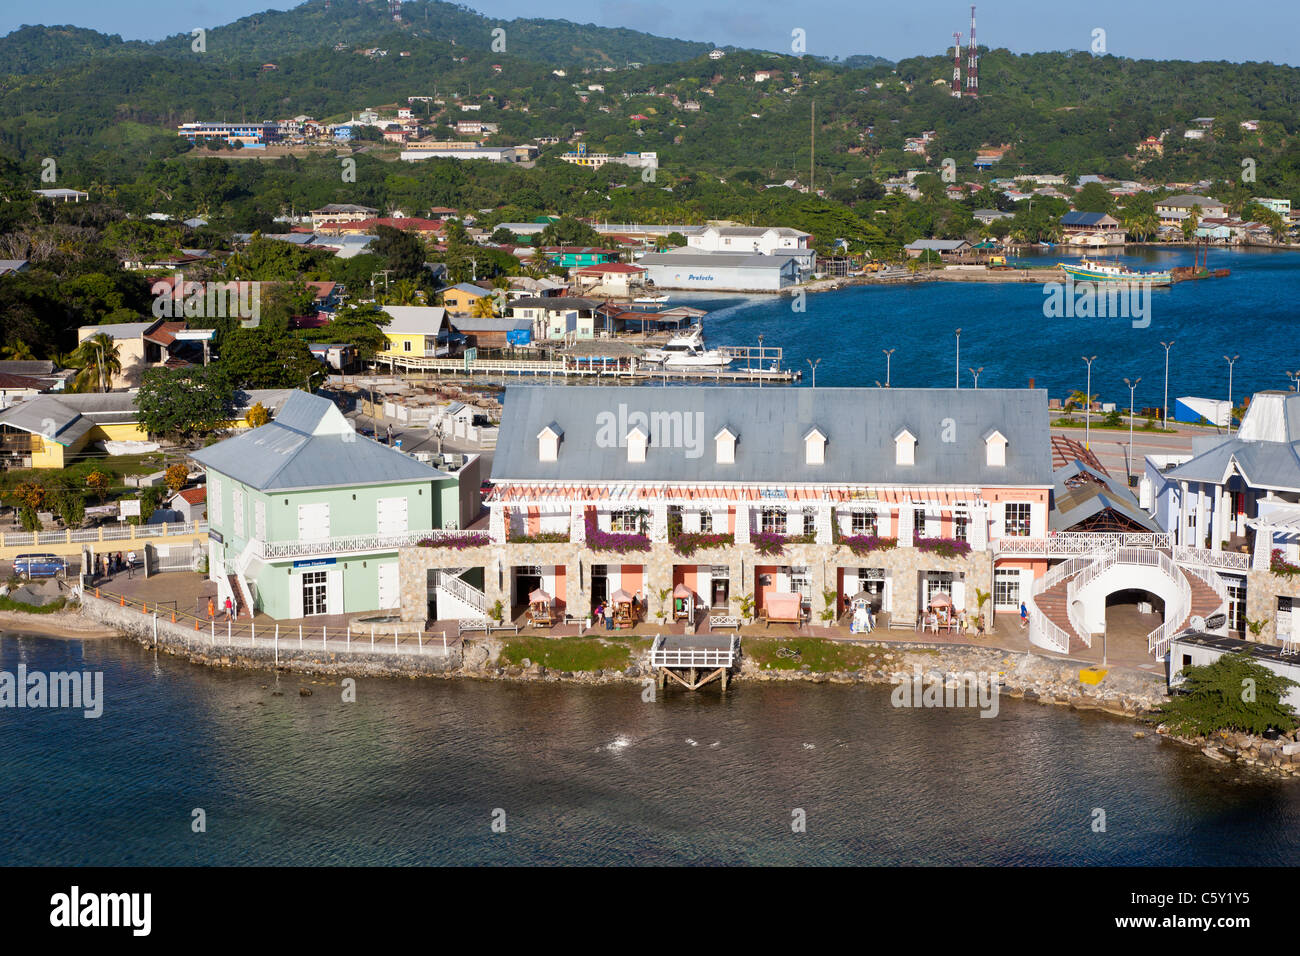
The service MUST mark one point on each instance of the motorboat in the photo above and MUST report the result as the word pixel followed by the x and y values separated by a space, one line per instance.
pixel 687 351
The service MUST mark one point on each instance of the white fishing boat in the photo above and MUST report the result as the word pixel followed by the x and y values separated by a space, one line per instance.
pixel 650 299
pixel 687 351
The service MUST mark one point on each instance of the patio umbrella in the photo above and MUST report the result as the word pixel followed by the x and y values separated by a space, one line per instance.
pixel 539 596
pixel 940 600
pixel 621 597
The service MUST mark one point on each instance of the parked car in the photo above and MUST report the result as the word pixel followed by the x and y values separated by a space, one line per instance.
pixel 40 566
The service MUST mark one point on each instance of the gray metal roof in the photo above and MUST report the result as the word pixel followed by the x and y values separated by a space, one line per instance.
pixel 718 260
pixel 1096 493
pixel 1266 448
pixel 310 445
pixel 770 424
pixel 415 319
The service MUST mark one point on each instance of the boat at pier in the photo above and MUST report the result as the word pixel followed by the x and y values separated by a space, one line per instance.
pixel 1092 270
pixel 686 351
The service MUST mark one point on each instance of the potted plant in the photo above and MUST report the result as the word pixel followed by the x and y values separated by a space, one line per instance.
pixel 497 612
pixel 745 602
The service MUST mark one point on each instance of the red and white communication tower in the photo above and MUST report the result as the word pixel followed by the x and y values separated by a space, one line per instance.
pixel 972 61
pixel 956 65
pixel 395 8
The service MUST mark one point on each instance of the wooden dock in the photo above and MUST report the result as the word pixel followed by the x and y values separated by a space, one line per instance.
pixel 592 367
pixel 694 660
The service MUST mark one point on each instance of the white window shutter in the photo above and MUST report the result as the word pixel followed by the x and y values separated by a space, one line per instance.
pixel 334 592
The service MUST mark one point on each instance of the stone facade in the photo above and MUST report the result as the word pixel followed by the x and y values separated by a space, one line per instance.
pixel 822 561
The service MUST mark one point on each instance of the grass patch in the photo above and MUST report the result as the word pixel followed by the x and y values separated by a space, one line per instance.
pixel 818 654
pixel 571 653
pixel 9 604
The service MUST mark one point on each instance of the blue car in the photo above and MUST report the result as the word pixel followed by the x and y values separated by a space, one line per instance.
pixel 40 566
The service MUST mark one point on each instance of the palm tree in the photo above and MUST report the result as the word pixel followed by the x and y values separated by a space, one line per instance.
pixel 18 352
pixel 484 308
pixel 401 292
pixel 98 361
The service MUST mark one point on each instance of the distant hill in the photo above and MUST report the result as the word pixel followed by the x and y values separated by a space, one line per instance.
pixel 321 24
pixel 34 49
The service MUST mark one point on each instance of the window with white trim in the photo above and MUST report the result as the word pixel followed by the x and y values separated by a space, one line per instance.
pixel 627 521
pixel 773 520
pixel 1006 587
pixel 960 527
pixel 1017 519
pixel 706 521
pixel 863 522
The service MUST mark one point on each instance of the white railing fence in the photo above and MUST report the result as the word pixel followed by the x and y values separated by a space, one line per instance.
pixel 461 589
pixel 1208 558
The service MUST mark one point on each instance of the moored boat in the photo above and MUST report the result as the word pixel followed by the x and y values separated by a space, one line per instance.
pixel 1091 270
pixel 687 350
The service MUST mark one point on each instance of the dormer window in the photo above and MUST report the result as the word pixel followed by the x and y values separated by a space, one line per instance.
pixel 814 447
pixel 995 449
pixel 637 438
pixel 904 447
pixel 725 441
pixel 548 442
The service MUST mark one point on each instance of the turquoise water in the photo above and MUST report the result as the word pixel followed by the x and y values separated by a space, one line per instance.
pixel 1251 313
pixel 413 771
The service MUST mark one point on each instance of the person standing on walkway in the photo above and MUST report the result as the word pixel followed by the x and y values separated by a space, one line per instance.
pixel 390 434
pixel 230 610
pixel 1024 615
pixel 130 564
pixel 212 609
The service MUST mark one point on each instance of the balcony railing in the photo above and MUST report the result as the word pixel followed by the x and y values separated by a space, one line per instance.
pixel 345 544
pixel 1075 543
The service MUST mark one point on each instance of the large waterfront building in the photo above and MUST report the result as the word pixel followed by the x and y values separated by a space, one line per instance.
pixel 899 494
pixel 306 517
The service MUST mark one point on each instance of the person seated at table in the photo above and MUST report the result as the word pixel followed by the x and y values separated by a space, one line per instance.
pixel 932 622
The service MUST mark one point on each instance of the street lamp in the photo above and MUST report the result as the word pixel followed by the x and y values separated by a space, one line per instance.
pixel 1231 362
pixel 813 365
pixel 889 354
pixel 1131 386
pixel 760 359
pixel 1168 345
pixel 976 372
pixel 1087 406
pixel 958 368
pixel 1295 380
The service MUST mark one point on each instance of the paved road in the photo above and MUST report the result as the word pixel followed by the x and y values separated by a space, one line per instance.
pixel 1111 445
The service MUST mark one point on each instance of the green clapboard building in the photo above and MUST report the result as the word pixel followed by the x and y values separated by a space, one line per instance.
pixel 306 517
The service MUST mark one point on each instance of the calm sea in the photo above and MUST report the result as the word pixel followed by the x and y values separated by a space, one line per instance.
pixel 413 771
pixel 1251 313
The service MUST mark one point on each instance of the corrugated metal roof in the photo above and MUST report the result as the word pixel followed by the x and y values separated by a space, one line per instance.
pixel 310 445
pixel 770 425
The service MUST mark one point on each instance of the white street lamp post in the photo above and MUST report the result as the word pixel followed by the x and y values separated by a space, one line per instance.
pixel 1165 408
pixel 1131 387
pixel 1087 406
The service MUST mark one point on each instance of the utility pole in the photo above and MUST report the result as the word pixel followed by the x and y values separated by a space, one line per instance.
pixel 812 152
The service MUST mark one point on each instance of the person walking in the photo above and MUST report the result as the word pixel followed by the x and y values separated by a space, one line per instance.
pixel 1024 615
pixel 130 564
pixel 390 434
pixel 230 610
pixel 212 609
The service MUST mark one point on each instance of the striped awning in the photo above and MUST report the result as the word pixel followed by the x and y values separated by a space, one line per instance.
pixel 865 497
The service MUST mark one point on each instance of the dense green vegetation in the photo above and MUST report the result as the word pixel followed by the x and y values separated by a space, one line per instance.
pixel 104 112
pixel 1233 693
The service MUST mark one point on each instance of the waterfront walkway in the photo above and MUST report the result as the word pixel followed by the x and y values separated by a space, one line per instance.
pixel 183 597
